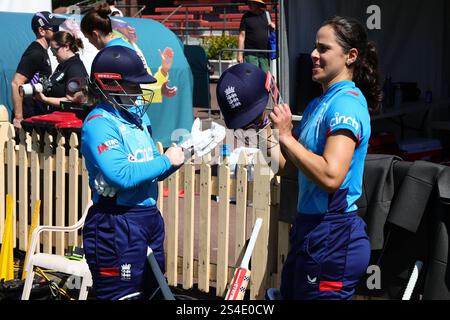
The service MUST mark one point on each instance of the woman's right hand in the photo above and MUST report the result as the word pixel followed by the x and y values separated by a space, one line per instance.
pixel 281 117
pixel 175 155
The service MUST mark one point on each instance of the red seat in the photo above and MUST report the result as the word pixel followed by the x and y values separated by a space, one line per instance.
pixel 230 15
pixel 174 17
pixel 245 8
pixel 238 16
pixel 184 9
pixel 193 2
pixel 222 25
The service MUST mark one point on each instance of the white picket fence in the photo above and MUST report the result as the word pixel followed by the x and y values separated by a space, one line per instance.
pixel 50 168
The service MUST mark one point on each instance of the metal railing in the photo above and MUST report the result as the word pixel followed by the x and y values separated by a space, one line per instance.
pixel 186 29
pixel 239 50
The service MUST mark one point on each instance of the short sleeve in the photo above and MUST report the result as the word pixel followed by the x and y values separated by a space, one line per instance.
pixel 30 64
pixel 346 113
pixel 242 26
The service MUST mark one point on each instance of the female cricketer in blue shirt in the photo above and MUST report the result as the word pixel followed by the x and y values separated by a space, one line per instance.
pixel 330 249
pixel 117 144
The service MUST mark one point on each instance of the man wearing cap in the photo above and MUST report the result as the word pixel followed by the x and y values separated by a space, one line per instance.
pixel 34 64
pixel 254 34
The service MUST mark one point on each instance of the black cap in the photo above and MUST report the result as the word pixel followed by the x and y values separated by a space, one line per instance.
pixel 46 19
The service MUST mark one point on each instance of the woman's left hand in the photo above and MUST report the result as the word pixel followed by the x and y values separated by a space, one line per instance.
pixel 281 117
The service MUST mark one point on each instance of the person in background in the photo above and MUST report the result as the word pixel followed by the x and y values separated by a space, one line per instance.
pixel 33 65
pixel 254 34
pixel 127 32
pixel 329 246
pixel 88 53
pixel 114 11
pixel 64 47
pixel 117 145
pixel 96 25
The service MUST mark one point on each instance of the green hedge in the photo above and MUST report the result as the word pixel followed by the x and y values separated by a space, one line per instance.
pixel 214 44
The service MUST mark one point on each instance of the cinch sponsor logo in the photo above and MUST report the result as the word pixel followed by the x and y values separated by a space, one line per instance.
pixel 107 145
pixel 141 155
pixel 345 120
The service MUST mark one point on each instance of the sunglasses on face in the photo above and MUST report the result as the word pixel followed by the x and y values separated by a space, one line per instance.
pixel 52 28
pixel 55 50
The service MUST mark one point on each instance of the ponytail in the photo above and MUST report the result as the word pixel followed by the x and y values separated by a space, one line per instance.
pixel 366 78
pixel 97 19
pixel 78 44
pixel 64 38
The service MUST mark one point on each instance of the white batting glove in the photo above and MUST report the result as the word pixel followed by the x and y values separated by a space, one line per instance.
pixel 103 188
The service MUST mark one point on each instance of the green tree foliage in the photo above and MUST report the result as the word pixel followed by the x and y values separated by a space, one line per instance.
pixel 214 44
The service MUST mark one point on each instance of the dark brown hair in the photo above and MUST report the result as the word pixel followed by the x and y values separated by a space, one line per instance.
pixel 97 19
pixel 350 33
pixel 64 38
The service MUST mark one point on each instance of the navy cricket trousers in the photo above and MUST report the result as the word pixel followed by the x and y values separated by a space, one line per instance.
pixel 329 254
pixel 115 240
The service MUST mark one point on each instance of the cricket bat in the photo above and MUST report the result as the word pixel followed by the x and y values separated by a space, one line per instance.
pixel 241 276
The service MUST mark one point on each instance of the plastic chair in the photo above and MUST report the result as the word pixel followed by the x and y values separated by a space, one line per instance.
pixel 57 262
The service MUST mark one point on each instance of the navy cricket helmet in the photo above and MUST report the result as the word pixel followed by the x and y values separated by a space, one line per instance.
pixel 120 63
pixel 113 70
pixel 242 95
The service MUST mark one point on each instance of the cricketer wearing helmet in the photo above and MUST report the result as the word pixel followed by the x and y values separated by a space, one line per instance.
pixel 117 145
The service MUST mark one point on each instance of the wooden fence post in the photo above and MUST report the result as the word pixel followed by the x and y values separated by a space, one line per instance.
pixel 11 173
pixel 241 206
pixel 205 224
pixel 172 229
pixel 261 209
pixel 86 193
pixel 35 176
pixel 73 187
pixel 223 229
pixel 60 192
pixel 25 144
pixel 189 232
pixel 48 191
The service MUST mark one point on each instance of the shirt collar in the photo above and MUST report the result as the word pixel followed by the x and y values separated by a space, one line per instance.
pixel 339 85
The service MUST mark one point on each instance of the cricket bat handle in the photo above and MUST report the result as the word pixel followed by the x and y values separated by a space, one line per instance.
pixel 251 243
pixel 241 277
